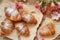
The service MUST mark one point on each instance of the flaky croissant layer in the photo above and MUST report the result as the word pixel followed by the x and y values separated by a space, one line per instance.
pixel 22 29
pixel 27 17
pixel 6 27
pixel 47 30
pixel 12 14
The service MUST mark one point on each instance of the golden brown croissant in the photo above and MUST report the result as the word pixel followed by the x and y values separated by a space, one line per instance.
pixel 22 29
pixel 29 18
pixel 47 30
pixel 6 27
pixel 12 14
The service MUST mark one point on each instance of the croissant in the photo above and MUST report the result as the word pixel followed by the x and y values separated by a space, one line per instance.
pixel 47 30
pixel 28 18
pixel 22 29
pixel 12 14
pixel 6 27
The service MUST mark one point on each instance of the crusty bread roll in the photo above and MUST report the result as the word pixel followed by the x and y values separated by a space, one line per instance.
pixel 22 29
pixel 12 14
pixel 47 28
pixel 6 27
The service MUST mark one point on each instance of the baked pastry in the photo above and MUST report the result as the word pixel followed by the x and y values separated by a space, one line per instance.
pixel 12 14
pixel 47 29
pixel 22 29
pixel 28 18
pixel 6 27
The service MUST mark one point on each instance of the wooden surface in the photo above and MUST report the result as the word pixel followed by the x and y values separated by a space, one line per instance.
pixel 57 38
